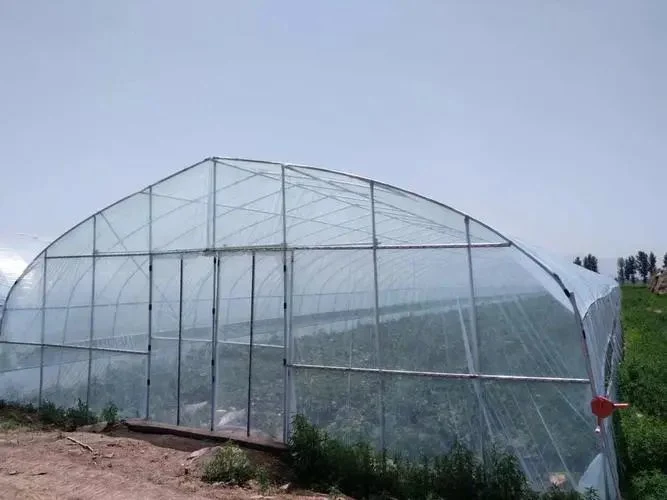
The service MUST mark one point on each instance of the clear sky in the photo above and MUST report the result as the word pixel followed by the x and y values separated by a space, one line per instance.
pixel 546 119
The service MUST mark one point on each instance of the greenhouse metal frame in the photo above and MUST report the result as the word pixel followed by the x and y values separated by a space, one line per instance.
pixel 291 271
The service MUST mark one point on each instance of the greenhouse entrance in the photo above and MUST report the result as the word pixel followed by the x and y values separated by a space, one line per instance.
pixel 217 341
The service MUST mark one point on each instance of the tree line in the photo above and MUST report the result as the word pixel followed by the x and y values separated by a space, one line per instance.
pixel 590 262
pixel 629 268
pixel 641 265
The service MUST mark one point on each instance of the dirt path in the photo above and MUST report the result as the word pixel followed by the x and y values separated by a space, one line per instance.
pixel 46 465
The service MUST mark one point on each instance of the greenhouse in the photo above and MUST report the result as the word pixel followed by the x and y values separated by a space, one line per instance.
pixel 236 294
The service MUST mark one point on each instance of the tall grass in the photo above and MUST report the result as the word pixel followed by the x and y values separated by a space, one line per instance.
pixel 322 462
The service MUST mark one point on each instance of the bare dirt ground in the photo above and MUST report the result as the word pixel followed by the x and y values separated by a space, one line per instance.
pixel 123 465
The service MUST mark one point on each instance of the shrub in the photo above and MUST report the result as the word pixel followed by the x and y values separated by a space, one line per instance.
pixel 650 486
pixel 109 413
pixel 79 415
pixel 50 414
pixel 263 479
pixel 503 477
pixel 13 416
pixel 558 494
pixel 229 465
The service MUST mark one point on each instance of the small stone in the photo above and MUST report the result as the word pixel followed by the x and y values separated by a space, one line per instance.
pixel 285 487
pixel 13 472
pixel 110 455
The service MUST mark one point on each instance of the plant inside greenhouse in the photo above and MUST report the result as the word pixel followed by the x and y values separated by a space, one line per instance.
pixel 237 294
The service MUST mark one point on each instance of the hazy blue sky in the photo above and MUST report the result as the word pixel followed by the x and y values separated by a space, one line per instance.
pixel 546 119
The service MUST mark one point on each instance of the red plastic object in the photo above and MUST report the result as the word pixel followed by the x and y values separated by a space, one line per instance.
pixel 603 407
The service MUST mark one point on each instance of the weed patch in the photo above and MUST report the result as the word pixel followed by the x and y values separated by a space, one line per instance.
pixel 322 462
pixel 230 465
pixel 48 415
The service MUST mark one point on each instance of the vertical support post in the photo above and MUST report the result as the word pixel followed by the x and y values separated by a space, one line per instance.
pixel 376 307
pixel 286 349
pixel 150 301
pixel 214 338
pixel 92 313
pixel 252 323
pixel 180 341
pixel 291 401
pixel 475 368
pixel 212 201
pixel 473 304
pixel 43 333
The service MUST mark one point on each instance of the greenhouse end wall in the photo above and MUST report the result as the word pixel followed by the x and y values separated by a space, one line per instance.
pixel 236 294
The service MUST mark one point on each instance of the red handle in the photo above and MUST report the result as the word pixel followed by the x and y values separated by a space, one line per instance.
pixel 603 407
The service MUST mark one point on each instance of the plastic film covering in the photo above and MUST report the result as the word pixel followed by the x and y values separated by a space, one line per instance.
pixel 236 293
pixel 12 266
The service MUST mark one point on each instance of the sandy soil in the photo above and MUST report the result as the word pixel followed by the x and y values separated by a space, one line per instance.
pixel 122 465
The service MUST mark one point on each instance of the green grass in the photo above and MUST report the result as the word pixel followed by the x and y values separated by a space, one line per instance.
pixel 643 383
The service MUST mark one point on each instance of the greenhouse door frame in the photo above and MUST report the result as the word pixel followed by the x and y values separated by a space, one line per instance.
pixel 216 257
pixel 279 254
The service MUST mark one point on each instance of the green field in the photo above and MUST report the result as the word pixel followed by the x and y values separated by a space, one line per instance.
pixel 643 383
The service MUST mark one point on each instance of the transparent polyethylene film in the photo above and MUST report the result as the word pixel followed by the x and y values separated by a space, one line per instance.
pixel 235 294
pixel 223 203
pixel 11 267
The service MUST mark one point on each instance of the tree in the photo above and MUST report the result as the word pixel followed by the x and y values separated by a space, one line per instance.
pixel 577 260
pixel 642 265
pixel 621 270
pixel 664 262
pixel 652 263
pixel 631 269
pixel 591 262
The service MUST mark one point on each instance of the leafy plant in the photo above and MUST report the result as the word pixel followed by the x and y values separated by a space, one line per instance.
pixel 79 415
pixel 109 413
pixel 263 479
pixel 50 414
pixel 229 465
